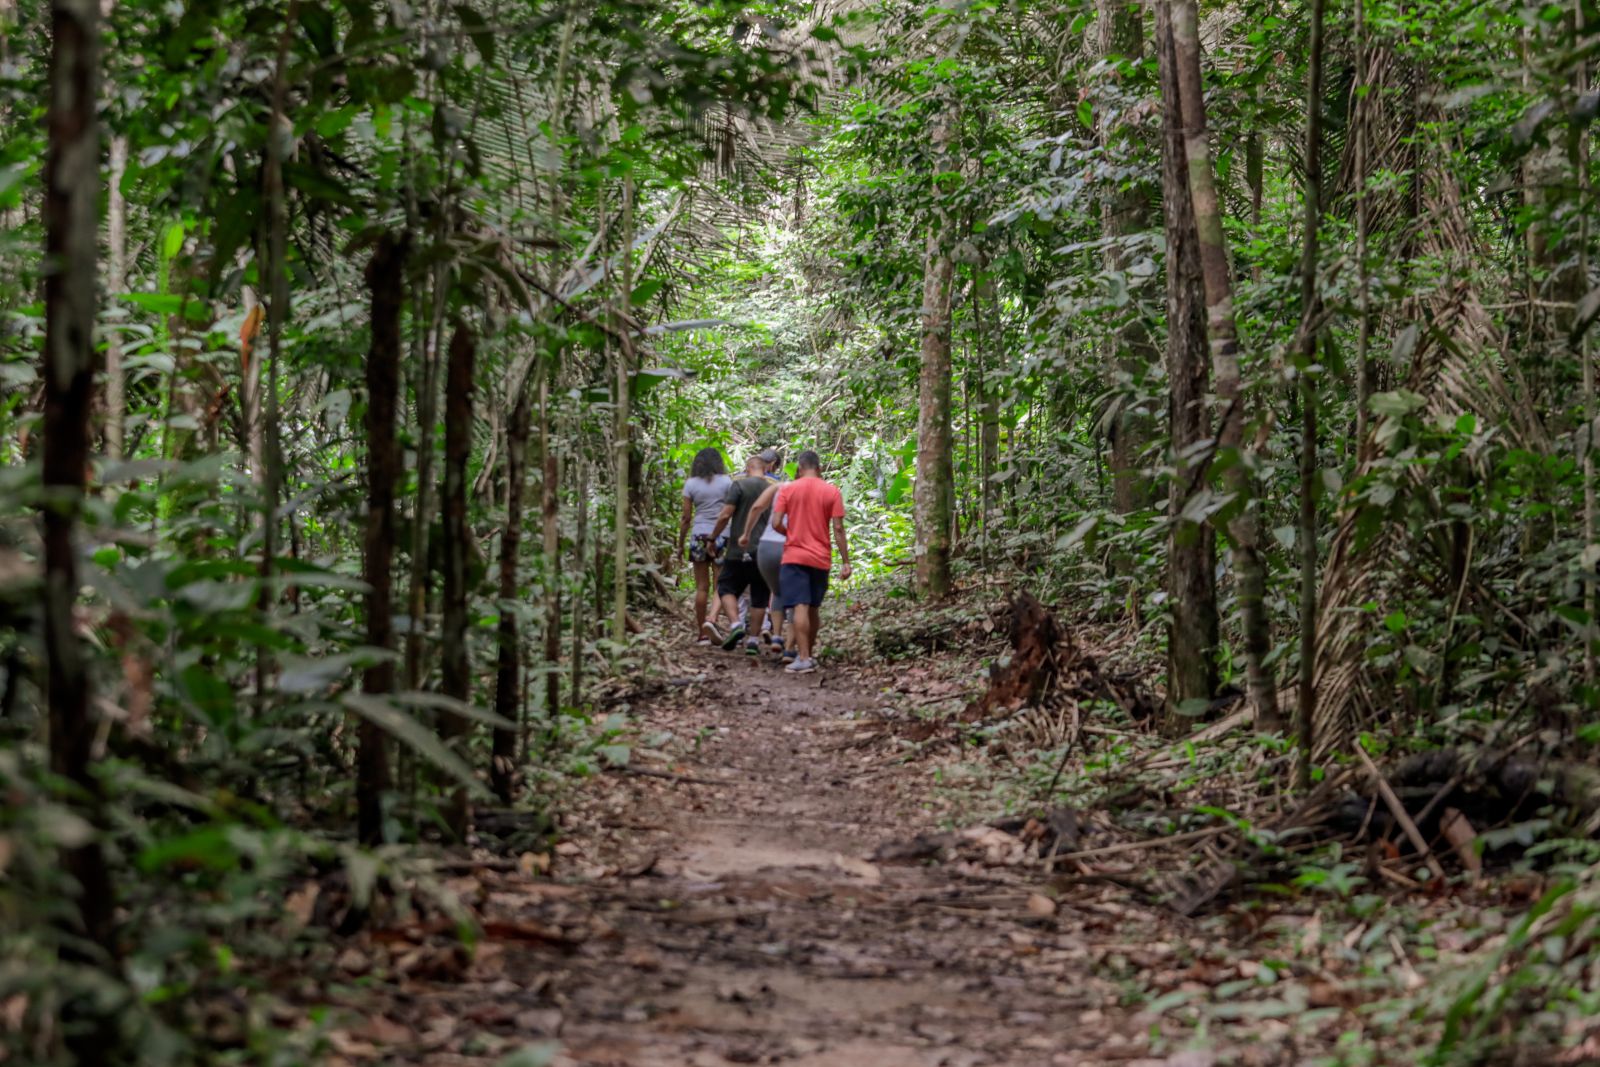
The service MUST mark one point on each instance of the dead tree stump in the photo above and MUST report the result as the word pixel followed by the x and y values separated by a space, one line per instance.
pixel 1033 667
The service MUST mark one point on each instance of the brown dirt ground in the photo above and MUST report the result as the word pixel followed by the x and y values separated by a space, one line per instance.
pixel 725 910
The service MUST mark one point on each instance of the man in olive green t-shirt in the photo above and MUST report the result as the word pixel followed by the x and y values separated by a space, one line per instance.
pixel 739 570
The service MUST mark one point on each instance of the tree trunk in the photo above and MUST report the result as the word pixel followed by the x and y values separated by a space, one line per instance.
pixel 385 468
pixel 1578 149
pixel 278 126
pixel 426 385
pixel 456 670
pixel 1305 713
pixel 72 186
pixel 580 603
pixel 507 699
pixel 116 283
pixel 550 504
pixel 1224 339
pixel 1191 547
pixel 620 533
pixel 934 492
pixel 1360 111
pixel 989 431
pixel 1129 351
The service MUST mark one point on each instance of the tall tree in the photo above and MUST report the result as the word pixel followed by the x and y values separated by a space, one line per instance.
pixel 1125 210
pixel 507 696
pixel 1243 529
pixel 456 680
pixel 1305 713
pixel 279 129
pixel 72 188
pixel 386 283
pixel 624 395
pixel 550 514
pixel 1191 547
pixel 934 493
pixel 116 282
pixel 1361 119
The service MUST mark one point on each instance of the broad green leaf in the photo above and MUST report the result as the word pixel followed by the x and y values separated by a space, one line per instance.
pixel 417 698
pixel 415 736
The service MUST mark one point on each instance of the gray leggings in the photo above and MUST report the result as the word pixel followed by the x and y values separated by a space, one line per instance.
pixel 769 557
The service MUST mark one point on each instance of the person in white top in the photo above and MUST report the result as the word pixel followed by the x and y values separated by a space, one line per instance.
pixel 703 492
pixel 769 553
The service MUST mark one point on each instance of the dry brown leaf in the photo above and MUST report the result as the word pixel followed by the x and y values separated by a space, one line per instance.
pixel 1041 905
pixel 382 1030
pixel 353 961
pixel 1462 837
pixel 347 1044
pixel 867 872
pixel 301 904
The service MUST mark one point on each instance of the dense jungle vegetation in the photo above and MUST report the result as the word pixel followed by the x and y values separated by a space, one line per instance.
pixel 352 357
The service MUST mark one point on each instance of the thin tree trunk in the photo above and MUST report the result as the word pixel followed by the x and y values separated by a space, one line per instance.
pixel 72 185
pixel 1254 176
pixel 427 400
pixel 550 503
pixel 278 127
pixel 456 670
pixel 1578 151
pixel 1224 339
pixel 507 675
pixel 620 534
pixel 386 281
pixel 1124 211
pixel 1305 715
pixel 1360 113
pixel 580 603
pixel 934 494
pixel 116 283
pixel 989 431
pixel 1191 547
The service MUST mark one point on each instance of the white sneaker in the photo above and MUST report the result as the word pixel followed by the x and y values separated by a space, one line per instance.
pixel 802 666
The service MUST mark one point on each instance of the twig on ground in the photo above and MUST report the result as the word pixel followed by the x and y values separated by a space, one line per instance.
pixel 1398 810
pixel 1134 846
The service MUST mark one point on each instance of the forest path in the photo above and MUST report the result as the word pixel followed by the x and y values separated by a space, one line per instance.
pixel 743 922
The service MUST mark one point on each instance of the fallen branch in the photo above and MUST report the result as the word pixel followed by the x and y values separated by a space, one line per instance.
pixel 1398 810
pixel 1134 846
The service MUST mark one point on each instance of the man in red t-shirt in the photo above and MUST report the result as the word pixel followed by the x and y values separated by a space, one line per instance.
pixel 806 511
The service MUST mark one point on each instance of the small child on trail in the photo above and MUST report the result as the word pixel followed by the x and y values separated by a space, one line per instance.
pixel 703 493
pixel 806 511
pixel 739 570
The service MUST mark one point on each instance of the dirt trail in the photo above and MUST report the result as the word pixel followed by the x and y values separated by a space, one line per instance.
pixel 743 921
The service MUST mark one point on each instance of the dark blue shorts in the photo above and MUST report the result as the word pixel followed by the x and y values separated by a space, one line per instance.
pixel 799 584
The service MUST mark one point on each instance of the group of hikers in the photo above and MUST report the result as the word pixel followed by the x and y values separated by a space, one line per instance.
pixel 767 541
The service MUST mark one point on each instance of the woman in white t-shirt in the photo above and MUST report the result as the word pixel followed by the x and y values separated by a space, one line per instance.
pixel 769 552
pixel 703 496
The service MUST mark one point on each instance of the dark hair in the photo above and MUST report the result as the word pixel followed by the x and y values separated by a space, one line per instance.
pixel 808 460
pixel 708 464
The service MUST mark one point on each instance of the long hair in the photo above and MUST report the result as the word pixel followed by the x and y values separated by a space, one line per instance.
pixel 708 463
